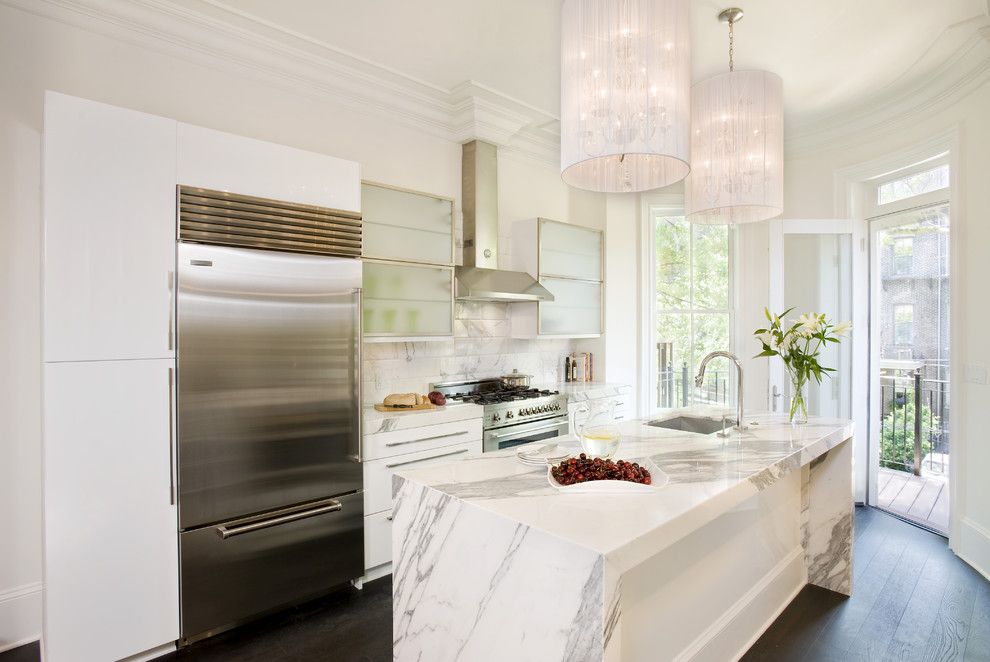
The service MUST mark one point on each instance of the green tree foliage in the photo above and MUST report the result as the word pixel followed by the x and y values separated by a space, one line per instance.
pixel 897 434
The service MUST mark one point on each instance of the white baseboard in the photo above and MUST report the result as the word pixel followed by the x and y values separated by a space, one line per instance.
pixel 974 546
pixel 732 634
pixel 20 615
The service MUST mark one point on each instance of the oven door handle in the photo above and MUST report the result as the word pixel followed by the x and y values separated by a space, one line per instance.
pixel 516 433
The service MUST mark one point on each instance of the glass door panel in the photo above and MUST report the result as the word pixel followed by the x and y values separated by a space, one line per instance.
pixel 402 225
pixel 570 251
pixel 407 300
pixel 818 278
pixel 575 310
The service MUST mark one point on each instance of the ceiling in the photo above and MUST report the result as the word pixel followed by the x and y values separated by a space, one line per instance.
pixel 849 53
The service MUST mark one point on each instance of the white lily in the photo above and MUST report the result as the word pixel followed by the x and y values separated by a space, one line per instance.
pixel 809 321
pixel 842 328
pixel 766 338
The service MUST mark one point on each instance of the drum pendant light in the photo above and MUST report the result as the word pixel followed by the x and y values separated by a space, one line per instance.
pixel 737 144
pixel 624 94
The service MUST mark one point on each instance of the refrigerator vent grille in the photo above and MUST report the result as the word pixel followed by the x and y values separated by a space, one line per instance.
pixel 229 219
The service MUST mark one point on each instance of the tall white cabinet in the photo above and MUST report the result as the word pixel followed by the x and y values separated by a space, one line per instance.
pixel 111 566
pixel 111 558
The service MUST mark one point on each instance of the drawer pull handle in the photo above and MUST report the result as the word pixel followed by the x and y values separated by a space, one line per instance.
pixel 388 517
pixel 438 436
pixel 424 459
pixel 229 531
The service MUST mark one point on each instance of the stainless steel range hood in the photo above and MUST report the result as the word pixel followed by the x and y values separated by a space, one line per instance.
pixel 480 279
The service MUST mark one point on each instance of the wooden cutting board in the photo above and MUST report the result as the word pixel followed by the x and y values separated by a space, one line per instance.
pixel 391 409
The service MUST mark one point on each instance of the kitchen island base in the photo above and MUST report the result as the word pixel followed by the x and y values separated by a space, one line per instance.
pixel 483 573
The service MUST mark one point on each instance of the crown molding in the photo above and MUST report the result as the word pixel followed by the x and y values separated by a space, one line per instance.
pixel 290 61
pixel 965 71
pixel 242 44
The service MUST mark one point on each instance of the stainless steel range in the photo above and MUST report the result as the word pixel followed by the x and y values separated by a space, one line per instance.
pixel 513 415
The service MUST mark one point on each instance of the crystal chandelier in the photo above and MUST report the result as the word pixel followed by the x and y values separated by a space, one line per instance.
pixel 624 94
pixel 737 144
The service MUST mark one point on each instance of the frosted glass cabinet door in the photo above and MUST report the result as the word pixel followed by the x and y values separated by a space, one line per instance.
pixel 570 251
pixel 576 309
pixel 401 225
pixel 407 300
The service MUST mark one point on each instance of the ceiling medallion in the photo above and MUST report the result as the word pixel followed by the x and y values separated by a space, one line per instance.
pixel 737 144
pixel 625 92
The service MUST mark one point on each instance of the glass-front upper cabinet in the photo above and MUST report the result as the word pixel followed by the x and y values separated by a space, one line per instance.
pixel 570 251
pixel 407 300
pixel 406 225
pixel 576 309
pixel 569 261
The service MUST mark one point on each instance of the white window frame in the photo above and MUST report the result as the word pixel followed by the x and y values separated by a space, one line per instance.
pixel 669 205
pixel 872 209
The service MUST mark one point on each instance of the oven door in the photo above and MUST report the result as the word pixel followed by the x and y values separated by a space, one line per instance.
pixel 524 433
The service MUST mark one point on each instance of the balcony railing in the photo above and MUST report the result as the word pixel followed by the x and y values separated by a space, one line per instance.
pixel 914 428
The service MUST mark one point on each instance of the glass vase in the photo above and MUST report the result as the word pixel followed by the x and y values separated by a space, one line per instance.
pixel 799 401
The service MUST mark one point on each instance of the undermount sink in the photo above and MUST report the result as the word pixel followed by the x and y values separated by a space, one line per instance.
pixel 697 424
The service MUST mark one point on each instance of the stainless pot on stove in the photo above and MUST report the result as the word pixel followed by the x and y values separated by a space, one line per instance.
pixel 516 379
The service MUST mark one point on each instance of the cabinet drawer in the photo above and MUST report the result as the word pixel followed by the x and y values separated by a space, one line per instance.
pixel 378 473
pixel 377 539
pixel 400 442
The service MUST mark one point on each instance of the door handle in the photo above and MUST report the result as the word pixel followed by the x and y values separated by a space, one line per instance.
pixel 359 370
pixel 525 432
pixel 171 440
pixel 774 397
pixel 424 459
pixel 438 436
pixel 225 531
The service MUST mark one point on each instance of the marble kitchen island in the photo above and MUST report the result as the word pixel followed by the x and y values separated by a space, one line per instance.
pixel 492 563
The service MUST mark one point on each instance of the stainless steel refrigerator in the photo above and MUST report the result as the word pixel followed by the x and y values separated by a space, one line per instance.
pixel 268 413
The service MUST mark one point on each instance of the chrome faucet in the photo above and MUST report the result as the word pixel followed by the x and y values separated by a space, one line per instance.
pixel 700 379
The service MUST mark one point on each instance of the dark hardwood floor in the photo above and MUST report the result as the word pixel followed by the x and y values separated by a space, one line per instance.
pixel 913 600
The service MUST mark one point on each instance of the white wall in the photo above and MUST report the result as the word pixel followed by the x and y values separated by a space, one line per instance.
pixel 38 54
pixel 809 194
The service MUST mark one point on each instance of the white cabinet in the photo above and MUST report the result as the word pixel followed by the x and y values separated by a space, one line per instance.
pixel 235 164
pixel 109 243
pixel 406 225
pixel 407 301
pixel 111 559
pixel 388 452
pixel 568 260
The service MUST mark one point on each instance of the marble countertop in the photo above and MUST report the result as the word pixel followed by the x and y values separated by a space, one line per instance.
pixel 379 421
pixel 708 476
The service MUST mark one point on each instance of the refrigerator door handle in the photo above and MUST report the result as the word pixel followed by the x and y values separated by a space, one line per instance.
pixel 171 438
pixel 359 371
pixel 232 529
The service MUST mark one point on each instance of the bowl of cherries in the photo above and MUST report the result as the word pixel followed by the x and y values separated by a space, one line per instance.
pixel 582 474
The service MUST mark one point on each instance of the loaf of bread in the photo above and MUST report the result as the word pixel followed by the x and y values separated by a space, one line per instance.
pixel 406 399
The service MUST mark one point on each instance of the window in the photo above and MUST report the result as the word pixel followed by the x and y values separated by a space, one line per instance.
pixel 914 184
pixel 903 259
pixel 693 309
pixel 903 324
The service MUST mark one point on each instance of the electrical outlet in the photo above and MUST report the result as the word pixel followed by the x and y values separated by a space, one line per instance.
pixel 976 374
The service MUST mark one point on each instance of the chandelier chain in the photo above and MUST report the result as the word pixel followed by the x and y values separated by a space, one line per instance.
pixel 732 46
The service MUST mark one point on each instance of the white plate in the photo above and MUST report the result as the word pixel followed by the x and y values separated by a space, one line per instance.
pixel 539 456
pixel 658 479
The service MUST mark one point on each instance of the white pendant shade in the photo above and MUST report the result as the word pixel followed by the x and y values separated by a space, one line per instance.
pixel 737 149
pixel 625 90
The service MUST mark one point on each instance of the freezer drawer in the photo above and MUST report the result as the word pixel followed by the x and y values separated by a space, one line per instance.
pixel 262 564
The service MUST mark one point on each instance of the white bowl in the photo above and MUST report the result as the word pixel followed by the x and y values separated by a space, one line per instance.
pixel 658 479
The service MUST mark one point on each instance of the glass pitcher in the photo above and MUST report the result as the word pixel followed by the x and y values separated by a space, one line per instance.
pixel 599 434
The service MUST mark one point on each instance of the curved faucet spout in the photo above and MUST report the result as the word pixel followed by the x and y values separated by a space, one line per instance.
pixel 700 379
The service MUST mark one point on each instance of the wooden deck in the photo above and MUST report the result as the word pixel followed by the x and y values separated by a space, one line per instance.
pixel 923 499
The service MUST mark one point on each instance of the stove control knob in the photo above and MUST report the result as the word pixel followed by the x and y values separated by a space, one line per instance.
pixel 508 414
pixel 496 418
pixel 542 410
pixel 524 412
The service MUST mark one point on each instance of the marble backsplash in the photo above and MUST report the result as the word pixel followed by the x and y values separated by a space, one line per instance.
pixel 481 347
